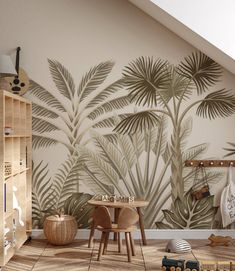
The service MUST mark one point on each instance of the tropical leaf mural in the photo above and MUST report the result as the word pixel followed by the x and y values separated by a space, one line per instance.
pixel 77 206
pixel 196 72
pixel 41 199
pixel 189 213
pixel 66 112
pixel 129 137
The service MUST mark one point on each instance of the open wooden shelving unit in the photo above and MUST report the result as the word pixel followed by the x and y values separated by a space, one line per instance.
pixel 16 173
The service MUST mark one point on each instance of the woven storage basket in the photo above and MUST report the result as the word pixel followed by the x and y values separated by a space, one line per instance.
pixel 60 230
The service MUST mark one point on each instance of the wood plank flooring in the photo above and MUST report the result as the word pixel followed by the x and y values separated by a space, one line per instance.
pixel 38 255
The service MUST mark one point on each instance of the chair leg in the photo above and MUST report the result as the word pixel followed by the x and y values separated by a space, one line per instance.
pixel 106 241
pixel 132 244
pixel 91 237
pixel 119 242
pixel 101 246
pixel 128 246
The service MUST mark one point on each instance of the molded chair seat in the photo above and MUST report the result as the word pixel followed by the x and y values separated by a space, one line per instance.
pixel 126 220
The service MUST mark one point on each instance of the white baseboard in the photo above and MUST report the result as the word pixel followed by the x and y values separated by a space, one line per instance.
pixel 153 234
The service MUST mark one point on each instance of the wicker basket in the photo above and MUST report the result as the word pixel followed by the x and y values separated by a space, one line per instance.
pixel 60 230
pixel 8 168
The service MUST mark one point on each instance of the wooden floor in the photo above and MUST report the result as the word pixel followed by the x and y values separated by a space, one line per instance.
pixel 38 255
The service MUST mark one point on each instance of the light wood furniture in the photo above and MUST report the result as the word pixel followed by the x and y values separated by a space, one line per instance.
pixel 16 172
pixel 138 204
pixel 126 221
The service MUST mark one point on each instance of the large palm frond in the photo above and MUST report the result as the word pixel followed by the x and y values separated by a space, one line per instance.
pixel 41 197
pixel 41 125
pixel 144 77
pixel 66 180
pixel 194 152
pixel 41 111
pixel 220 103
pixel 45 96
pixel 93 78
pixel 111 153
pixel 108 122
pixel 105 93
pixel 62 79
pixel 200 68
pixel 43 141
pixel 142 121
pixel 114 104
pixel 101 168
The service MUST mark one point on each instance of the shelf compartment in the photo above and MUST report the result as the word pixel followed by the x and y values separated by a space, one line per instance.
pixel 8 105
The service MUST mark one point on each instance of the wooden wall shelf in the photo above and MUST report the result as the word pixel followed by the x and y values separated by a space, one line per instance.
pixel 209 163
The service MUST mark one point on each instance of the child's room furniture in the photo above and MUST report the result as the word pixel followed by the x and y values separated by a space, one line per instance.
pixel 126 220
pixel 16 172
pixel 137 204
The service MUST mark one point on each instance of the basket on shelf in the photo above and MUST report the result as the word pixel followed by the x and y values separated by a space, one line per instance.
pixel 8 168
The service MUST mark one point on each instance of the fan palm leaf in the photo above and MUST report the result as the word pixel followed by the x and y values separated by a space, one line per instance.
pixel 62 79
pixel 231 150
pixel 93 79
pixel 141 121
pixel 45 96
pixel 201 69
pixel 144 77
pixel 220 103
pixel 179 86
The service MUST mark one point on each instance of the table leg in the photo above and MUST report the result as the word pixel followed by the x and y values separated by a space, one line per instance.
pixel 116 214
pixel 141 226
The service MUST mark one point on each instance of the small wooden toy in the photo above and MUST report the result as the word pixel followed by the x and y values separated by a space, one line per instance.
pixel 217 240
pixel 208 266
pixel 223 266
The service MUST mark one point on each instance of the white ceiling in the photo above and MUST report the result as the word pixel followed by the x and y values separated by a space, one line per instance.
pixel 208 25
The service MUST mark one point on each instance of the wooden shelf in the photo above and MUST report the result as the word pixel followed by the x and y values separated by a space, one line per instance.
pixel 16 136
pixel 16 156
pixel 16 172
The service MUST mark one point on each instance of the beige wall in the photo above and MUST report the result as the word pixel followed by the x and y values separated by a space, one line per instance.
pixel 81 34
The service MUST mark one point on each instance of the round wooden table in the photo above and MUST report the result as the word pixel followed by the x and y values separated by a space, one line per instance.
pixel 117 206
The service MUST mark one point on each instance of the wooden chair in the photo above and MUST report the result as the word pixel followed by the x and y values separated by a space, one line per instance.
pixel 126 220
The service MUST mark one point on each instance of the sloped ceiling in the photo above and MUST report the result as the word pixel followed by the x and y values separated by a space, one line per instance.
pixel 183 30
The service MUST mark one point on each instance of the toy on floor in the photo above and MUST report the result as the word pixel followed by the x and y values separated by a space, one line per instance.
pixel 217 240
pixel 182 265
pixel 178 246
pixel 179 265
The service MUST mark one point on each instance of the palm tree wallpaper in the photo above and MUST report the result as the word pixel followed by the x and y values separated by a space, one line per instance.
pixel 128 138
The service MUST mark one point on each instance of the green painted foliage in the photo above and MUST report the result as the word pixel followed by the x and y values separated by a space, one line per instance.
pixel 77 206
pixel 189 214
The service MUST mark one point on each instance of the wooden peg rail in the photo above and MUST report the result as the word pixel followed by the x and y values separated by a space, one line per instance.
pixel 209 163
